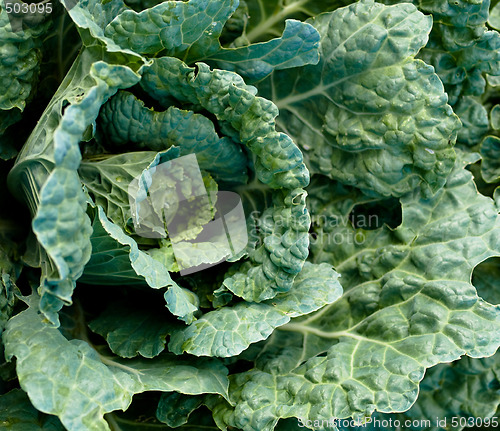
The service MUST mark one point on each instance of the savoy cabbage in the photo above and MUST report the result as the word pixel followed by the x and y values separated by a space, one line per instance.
pixel 363 142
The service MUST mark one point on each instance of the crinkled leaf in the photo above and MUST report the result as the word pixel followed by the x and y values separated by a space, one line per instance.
pixel 91 18
pixel 125 120
pixel 230 330
pixel 464 53
pixel 63 229
pixel 36 159
pixel 461 48
pixel 272 224
pixel 279 256
pixel 369 114
pixel 468 388
pixel 19 60
pixel 191 30
pixel 61 224
pixel 45 174
pixel 176 28
pixel 279 164
pixel 54 371
pixel 248 117
pixel 18 414
pixel 408 305
pixel 191 254
pixel 297 47
pixel 462 68
pixel 182 303
pixel 131 331
pixel 460 393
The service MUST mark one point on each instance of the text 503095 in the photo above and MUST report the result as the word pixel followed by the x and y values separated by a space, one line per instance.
pixel 474 422
pixel 24 8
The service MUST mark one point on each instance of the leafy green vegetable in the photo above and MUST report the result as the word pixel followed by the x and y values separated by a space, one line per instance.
pixel 461 48
pixel 189 30
pixel 467 388
pixel 124 120
pixel 94 383
pixel 19 61
pixel 142 334
pixel 356 114
pixel 60 223
pixel 249 215
pixel 279 165
pixel 214 334
pixel 408 305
